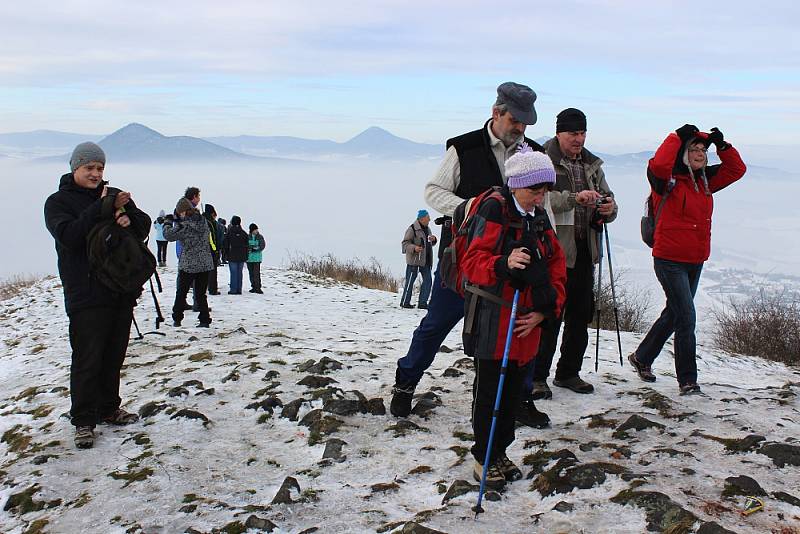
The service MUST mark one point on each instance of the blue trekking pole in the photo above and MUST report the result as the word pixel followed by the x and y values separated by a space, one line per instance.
pixel 503 366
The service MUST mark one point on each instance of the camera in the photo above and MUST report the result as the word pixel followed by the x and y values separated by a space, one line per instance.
pixel 602 200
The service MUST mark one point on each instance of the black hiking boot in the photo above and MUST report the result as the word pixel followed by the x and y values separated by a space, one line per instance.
pixel 528 415
pixel 576 384
pixel 541 390
pixel 690 389
pixel 401 401
pixel 407 306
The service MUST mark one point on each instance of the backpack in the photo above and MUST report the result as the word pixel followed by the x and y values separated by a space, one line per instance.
pixel 118 259
pixel 649 219
pixel 449 264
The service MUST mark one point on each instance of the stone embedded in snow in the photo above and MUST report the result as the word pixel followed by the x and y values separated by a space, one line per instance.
pixel 291 409
pixel 782 453
pixel 458 488
pixel 202 356
pixel 313 381
pixel 178 391
pixel 319 425
pixel 384 487
pixel 209 391
pixel 563 507
pixel 540 458
pixel 288 493
pixel 344 407
pixel 191 414
pixel 193 384
pixel 333 450
pixel 259 523
pixel 452 372
pixel 233 376
pixel 426 404
pixel 742 485
pixel 404 426
pixel 321 367
pixel 268 405
pixel 413 527
pixel 444 349
pixel 152 408
pixel 712 527
pixel 787 498
pixel 376 407
pixel 565 476
pixel 662 513
pixel 464 363
pixel 635 422
pixel 271 375
pixel 23 502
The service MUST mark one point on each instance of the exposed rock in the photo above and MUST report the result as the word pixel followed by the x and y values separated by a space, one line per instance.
pixel 565 476
pixel 782 453
pixel 635 422
pixel 259 523
pixel 542 457
pixel 233 376
pixel 713 528
pixel 444 349
pixel 178 391
pixel 742 485
pixel 320 425
pixel 271 375
pixel 452 372
pixel 188 508
pixel 420 469
pixel 21 503
pixel 193 384
pixel 415 528
pixel 563 507
pixel 787 498
pixel 42 459
pixel 376 407
pixel 464 363
pixel 383 487
pixel 191 414
pixel 662 514
pixel 316 382
pixel 404 426
pixel 151 408
pixel 209 391
pixel 289 487
pixel 291 409
pixel 201 356
pixel 268 405
pixel 734 445
pixel 458 488
pixel 333 450
pixel 344 407
pixel 426 403
pixel 323 366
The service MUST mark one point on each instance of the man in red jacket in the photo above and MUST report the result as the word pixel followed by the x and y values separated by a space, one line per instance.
pixel 512 246
pixel 679 177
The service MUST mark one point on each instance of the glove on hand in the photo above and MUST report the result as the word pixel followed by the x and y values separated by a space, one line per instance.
pixel 717 138
pixel 687 131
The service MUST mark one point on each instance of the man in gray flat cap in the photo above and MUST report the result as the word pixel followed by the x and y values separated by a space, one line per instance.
pixel 474 162
pixel 99 318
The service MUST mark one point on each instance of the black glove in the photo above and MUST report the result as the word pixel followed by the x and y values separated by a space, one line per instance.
pixel 687 131
pixel 717 138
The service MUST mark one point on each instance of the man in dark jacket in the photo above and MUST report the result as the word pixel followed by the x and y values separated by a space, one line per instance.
pixel 210 215
pixel 474 162
pixel 236 249
pixel 99 319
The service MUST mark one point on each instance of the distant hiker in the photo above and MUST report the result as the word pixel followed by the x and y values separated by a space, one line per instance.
pixel 255 244
pixel 236 248
pixel 679 177
pixel 210 215
pixel 418 245
pixel 512 246
pixel 222 231
pixel 195 262
pixel 580 185
pixel 161 243
pixel 99 319
pixel 474 162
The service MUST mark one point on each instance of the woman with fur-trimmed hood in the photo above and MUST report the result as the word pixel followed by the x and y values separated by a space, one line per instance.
pixel 680 177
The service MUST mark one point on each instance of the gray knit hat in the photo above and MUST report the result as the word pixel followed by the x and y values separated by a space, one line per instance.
pixel 86 153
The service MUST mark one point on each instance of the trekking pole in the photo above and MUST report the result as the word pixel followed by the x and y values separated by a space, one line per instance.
pixel 138 332
pixel 613 291
pixel 503 366
pixel 597 301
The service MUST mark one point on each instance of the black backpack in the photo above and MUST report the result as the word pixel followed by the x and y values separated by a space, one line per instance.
pixel 118 259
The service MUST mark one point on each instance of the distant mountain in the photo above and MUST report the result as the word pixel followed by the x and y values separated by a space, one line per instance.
pixel 136 142
pixel 372 142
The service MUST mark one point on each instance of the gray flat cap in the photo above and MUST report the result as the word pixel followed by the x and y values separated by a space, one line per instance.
pixel 519 99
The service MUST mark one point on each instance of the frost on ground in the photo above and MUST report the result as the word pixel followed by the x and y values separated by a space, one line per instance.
pixel 274 419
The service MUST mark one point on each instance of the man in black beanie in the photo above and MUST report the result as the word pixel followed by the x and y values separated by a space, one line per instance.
pixel 580 184
pixel 99 318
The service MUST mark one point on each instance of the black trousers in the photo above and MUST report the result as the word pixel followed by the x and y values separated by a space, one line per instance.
pixel 162 252
pixel 212 275
pixel 200 283
pixel 99 340
pixel 578 310
pixel 484 393
pixel 254 270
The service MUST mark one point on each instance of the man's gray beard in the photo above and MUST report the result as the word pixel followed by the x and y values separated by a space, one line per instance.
pixel 510 139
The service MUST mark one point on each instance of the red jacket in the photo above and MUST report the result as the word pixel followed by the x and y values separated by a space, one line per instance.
pixel 485 264
pixel 683 229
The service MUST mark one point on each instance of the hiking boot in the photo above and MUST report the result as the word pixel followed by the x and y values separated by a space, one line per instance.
pixel 422 306
pixel 401 401
pixel 204 325
pixel 84 437
pixel 510 471
pixel 541 390
pixel 528 415
pixel 120 417
pixel 494 476
pixel 213 293
pixel 259 291
pixel 576 384
pixel 176 323
pixel 407 306
pixel 644 371
pixel 690 389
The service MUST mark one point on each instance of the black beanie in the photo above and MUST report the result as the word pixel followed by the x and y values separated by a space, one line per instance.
pixel 209 211
pixel 236 220
pixel 571 120
pixel 253 226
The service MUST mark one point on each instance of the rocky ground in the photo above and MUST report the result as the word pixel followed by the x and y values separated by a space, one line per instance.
pixel 275 420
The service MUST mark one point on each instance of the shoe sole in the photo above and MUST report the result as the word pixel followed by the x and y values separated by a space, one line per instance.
pixel 635 365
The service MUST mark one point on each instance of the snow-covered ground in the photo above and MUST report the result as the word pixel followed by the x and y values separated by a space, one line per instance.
pixel 170 473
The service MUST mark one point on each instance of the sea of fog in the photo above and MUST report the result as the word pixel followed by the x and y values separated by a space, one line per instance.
pixel 360 209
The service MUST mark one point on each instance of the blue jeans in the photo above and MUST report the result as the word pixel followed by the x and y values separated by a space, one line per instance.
pixel 411 277
pixel 679 281
pixel 445 310
pixel 236 268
